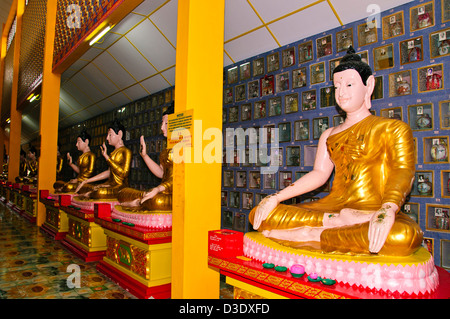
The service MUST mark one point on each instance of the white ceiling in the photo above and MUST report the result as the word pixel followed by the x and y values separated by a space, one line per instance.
pixel 137 57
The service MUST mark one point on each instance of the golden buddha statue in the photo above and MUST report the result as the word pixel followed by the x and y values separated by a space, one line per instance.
pixel 84 167
pixel 373 159
pixel 158 198
pixel 31 167
pixel 59 164
pixel 119 167
pixel 22 166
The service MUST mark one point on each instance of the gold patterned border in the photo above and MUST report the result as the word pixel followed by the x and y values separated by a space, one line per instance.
pixel 275 281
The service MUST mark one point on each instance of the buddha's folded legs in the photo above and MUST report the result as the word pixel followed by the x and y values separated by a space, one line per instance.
pixel 404 238
pixel 130 199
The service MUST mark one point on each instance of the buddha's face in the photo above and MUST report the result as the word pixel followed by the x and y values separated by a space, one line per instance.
pixel 81 146
pixel 350 91
pixel 112 138
pixel 165 120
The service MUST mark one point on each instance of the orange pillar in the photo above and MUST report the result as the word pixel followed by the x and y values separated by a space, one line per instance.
pixel 197 185
pixel 16 116
pixel 48 123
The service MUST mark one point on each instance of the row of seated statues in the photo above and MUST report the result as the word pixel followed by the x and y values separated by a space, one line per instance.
pixel 116 186
pixel 373 161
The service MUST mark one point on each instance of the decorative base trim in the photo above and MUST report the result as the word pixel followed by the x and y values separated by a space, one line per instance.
pixel 133 286
pixel 412 275
pixel 158 220
pixel 49 231
pixel 86 256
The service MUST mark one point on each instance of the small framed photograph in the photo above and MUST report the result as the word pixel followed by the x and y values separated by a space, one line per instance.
pixel 420 117
pixel 299 78
pixel 444 114
pixel 269 134
pixel 244 71
pixel 421 16
pixel 234 199
pixel 309 100
pixel 260 110
pixel 275 106
pixel 440 43
pixel 305 52
pixel 301 130
pixel 262 158
pixel 445 183
pixel 435 150
pixel 320 124
pixel 445 254
pixel 259 197
pixel 258 67
pixel 400 83
pixel 253 89
pixel 270 181
pixel 430 78
pixel 383 57
pixel 241 179
pixel 276 156
pixel 412 210
pixel 411 50
pixel 327 97
pixel 428 244
pixel 393 25
pixel 285 179
pixel 273 62
pixel 423 185
pixel 224 198
pixel 284 132
pixel 247 200
pixel 228 178
pixel 255 179
pixel 437 217
pixel 227 221
pixel 344 39
pixel 239 222
pixel 324 46
pixel 445 9
pixel 378 91
pixel 233 114
pixel 293 156
pixel 317 73
pixel 227 97
pixel 392 113
pixel 224 115
pixel 232 75
pixel 288 57
pixel 246 112
pixel 267 85
pixel 291 103
pixel 338 120
pixel 240 92
pixel 282 82
pixel 367 33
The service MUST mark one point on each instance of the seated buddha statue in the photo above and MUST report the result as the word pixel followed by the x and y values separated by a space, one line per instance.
pixel 373 160
pixel 32 165
pixel 84 166
pixel 119 168
pixel 22 167
pixel 158 198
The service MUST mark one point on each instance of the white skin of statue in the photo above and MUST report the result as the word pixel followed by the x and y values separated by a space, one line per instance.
pixel 354 98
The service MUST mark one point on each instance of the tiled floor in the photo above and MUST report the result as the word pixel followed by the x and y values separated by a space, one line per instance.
pixel 33 265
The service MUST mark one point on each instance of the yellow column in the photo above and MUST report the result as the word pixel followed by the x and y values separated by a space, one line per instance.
pixel 199 85
pixel 49 112
pixel 16 116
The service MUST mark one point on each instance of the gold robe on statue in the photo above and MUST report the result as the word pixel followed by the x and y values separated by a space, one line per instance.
pixel 374 164
pixel 85 163
pixel 161 201
pixel 119 165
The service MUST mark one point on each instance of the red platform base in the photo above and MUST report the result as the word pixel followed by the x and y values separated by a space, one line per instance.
pixel 86 256
pixel 52 233
pixel 133 286
pixel 284 284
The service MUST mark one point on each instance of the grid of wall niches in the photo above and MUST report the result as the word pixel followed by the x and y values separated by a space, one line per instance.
pixel 141 117
pixel 291 88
